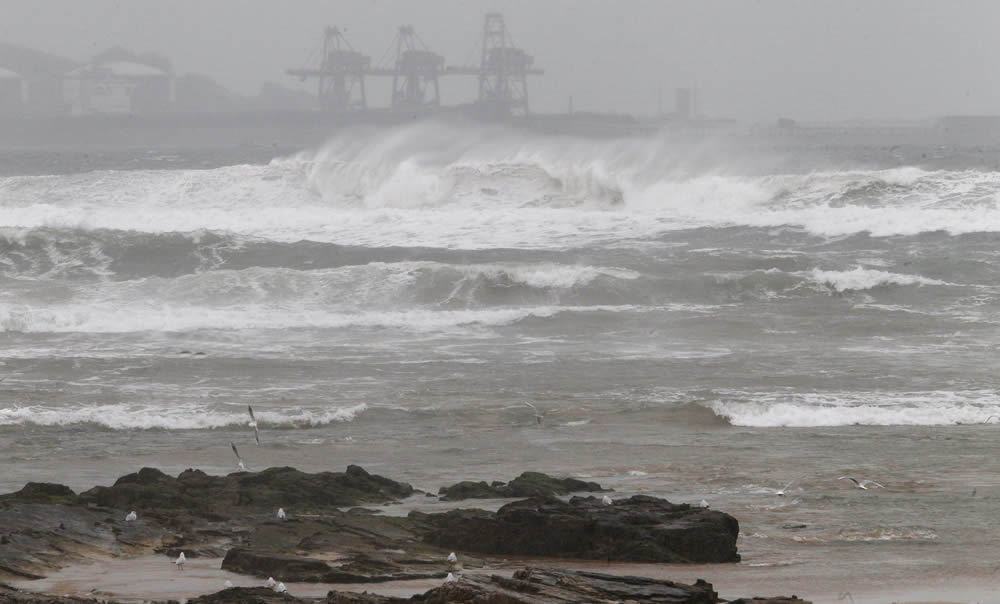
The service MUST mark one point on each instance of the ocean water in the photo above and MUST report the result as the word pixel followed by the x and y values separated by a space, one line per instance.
pixel 697 321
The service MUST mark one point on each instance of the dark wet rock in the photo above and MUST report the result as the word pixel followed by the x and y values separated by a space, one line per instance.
pixel 245 595
pixel 40 538
pixel 358 568
pixel 791 526
pixel 775 600
pixel 11 595
pixel 551 586
pixel 637 529
pixel 528 484
pixel 195 493
pixel 42 492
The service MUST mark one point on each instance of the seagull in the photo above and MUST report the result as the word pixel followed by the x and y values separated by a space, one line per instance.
pixel 280 588
pixel 703 504
pixel 538 416
pixel 253 424
pixel 862 484
pixel 607 500
pixel 281 514
pixel 270 582
pixel 988 419
pixel 180 561
pixel 450 578
pixel 131 516
pixel 452 558
pixel 240 466
pixel 228 583
pixel 781 492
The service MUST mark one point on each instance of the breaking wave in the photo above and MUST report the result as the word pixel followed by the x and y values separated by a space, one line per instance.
pixel 851 408
pixel 860 279
pixel 122 416
pixel 449 187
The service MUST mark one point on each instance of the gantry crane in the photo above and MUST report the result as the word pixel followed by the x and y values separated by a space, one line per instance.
pixel 341 73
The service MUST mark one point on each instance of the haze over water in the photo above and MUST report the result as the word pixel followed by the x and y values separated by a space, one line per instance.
pixel 701 321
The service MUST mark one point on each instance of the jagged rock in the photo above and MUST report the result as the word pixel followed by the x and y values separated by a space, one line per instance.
pixel 550 586
pixel 528 484
pixel 638 529
pixel 194 492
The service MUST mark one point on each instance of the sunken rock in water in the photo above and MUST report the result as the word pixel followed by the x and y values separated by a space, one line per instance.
pixel 196 493
pixel 637 529
pixel 528 484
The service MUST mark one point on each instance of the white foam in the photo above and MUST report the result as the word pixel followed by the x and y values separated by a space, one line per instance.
pixel 125 416
pixel 860 279
pixel 932 408
pixel 142 317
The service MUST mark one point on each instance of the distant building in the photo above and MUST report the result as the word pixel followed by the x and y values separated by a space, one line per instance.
pixel 40 83
pixel 13 92
pixel 109 87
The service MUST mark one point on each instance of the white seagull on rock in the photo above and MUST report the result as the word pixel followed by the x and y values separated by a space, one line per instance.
pixel 228 583
pixel 130 516
pixel 452 558
pixel 607 500
pixel 703 504
pixel 862 484
pixel 270 582
pixel 180 561
pixel 280 588
pixel 450 578
pixel 281 514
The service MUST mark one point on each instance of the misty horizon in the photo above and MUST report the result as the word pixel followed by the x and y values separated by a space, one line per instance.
pixel 753 61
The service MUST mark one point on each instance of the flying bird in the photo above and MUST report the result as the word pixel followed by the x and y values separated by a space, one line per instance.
pixel 862 484
pixel 253 424
pixel 781 492
pixel 180 561
pixel 242 467
pixel 130 516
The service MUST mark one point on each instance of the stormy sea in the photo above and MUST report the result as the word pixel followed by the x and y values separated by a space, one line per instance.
pixel 697 321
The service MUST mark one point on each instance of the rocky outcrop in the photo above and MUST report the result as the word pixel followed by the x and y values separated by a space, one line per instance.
pixel 248 595
pixel 551 586
pixel 356 568
pixel 637 529
pixel 37 538
pixel 195 493
pixel 528 484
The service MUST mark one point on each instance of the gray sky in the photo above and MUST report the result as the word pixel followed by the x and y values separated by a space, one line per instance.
pixel 749 59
